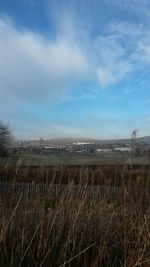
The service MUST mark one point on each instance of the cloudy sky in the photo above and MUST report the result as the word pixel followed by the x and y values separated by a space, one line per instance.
pixel 78 68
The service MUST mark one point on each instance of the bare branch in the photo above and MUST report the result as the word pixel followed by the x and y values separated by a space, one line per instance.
pixel 5 137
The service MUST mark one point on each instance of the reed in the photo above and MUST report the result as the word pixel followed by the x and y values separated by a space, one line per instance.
pixel 78 225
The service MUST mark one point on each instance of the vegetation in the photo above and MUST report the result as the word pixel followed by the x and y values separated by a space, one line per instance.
pixel 5 138
pixel 95 217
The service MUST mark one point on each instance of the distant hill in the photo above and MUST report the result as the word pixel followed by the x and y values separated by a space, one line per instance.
pixel 145 139
pixel 140 140
pixel 65 141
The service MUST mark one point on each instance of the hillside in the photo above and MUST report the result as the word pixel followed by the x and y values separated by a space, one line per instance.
pixel 65 141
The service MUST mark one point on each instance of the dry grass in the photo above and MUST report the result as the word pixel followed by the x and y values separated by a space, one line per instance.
pixel 86 230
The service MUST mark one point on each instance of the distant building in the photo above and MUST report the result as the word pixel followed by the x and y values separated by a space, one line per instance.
pixel 122 149
pixel 48 147
pixel 82 143
pixel 99 150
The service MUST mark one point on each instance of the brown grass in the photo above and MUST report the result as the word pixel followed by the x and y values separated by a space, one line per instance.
pixel 74 227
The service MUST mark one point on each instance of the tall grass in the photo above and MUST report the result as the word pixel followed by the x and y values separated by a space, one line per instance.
pixel 76 229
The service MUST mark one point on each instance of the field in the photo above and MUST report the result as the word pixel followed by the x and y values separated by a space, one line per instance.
pixel 74 215
pixel 51 159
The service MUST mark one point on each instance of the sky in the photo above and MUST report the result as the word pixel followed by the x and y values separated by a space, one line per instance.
pixel 75 68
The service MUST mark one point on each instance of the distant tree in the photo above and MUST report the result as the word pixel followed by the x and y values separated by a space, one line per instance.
pixel 5 138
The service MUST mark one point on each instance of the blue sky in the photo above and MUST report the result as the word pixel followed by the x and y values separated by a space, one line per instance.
pixel 75 68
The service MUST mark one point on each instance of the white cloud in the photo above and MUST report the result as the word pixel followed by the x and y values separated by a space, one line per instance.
pixel 143 51
pixel 135 38
pixel 126 30
pixel 113 65
pixel 139 7
pixel 32 66
pixel 110 74
pixel 35 69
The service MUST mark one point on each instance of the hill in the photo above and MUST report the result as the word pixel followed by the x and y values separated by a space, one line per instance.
pixel 66 141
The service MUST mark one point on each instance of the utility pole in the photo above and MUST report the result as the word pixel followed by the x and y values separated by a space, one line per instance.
pixel 133 141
